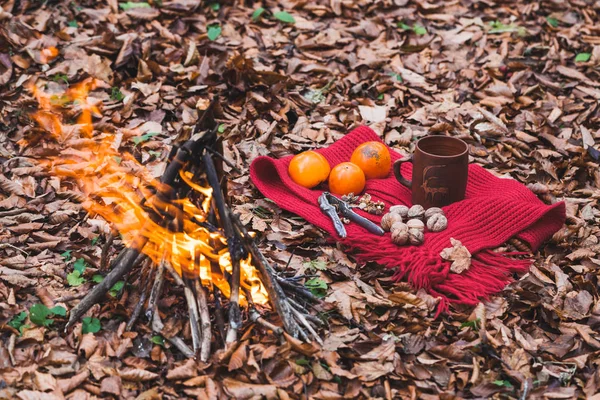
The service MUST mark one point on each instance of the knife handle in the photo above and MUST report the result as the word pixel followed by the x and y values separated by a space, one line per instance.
pixel 365 223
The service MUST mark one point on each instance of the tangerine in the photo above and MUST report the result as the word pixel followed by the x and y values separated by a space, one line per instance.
pixel 346 178
pixel 308 169
pixel 373 158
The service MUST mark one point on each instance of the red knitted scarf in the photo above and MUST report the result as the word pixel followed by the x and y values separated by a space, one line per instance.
pixel 493 211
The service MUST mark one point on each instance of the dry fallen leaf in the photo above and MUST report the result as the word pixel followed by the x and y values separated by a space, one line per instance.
pixel 459 255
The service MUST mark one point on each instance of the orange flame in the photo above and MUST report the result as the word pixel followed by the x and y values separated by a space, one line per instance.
pixel 122 191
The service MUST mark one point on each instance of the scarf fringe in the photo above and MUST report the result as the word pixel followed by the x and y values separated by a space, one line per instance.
pixel 489 272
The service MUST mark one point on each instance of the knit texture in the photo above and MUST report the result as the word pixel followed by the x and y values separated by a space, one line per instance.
pixel 494 210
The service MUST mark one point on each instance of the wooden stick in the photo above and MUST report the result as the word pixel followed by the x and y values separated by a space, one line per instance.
pixel 157 327
pixel 124 263
pixel 220 320
pixel 145 288
pixel 193 313
pixel 256 317
pixel 105 248
pixel 276 295
pixel 205 325
pixel 156 289
pixel 308 326
pixel 234 245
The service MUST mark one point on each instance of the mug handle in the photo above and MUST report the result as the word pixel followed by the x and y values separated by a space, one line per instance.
pixel 399 176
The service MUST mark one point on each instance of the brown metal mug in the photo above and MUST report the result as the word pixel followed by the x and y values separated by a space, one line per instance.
pixel 440 171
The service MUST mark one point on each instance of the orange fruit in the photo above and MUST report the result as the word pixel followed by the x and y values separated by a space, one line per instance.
pixel 308 169
pixel 346 178
pixel 373 158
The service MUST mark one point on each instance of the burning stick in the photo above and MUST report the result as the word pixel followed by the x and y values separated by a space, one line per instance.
pixel 233 244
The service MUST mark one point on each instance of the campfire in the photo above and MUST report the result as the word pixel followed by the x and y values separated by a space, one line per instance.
pixel 181 224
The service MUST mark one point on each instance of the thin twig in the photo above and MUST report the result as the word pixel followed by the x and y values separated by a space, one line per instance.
pixel 219 318
pixel 193 313
pixel 256 317
pixel 276 295
pixel 124 264
pixel 205 325
pixel 145 289
pixel 234 245
pixel 156 289
pixel 70 297
pixel 157 327
pixel 300 317
pixel 105 249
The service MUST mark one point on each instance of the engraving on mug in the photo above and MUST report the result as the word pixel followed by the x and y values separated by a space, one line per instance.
pixel 433 183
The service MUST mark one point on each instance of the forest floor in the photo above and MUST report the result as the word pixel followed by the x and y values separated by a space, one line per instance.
pixel 289 76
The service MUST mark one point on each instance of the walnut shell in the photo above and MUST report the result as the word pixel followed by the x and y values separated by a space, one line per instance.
pixel 399 226
pixel 400 236
pixel 415 237
pixel 437 223
pixel 402 210
pixel 416 224
pixel 390 219
pixel 432 211
pixel 416 211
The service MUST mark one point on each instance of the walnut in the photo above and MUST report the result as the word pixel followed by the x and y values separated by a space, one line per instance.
pixel 402 210
pixel 390 219
pixel 415 236
pixel 432 211
pixel 416 211
pixel 437 223
pixel 416 224
pixel 400 236
pixel 399 226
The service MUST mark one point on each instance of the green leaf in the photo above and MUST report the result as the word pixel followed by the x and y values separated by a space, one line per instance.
pixel 95 240
pixel 97 278
pixel 397 76
pixel 499 27
pixel 471 324
pixel 90 325
pixel 18 321
pixel 419 30
pixel 119 159
pixel 316 264
pixel 39 313
pixel 221 128
pixel 403 26
pixel 66 255
pixel 115 94
pixel 59 310
pixel 257 13
pixel 157 339
pixel 79 266
pixel 552 21
pixel 380 97
pixel 75 279
pixel 154 153
pixel 114 291
pixel 583 57
pixel 61 77
pixel 302 361
pixel 317 286
pixel 214 31
pixel 131 4
pixel 72 24
pixel 285 16
pixel 145 137
pixel 215 6
pixel 504 383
